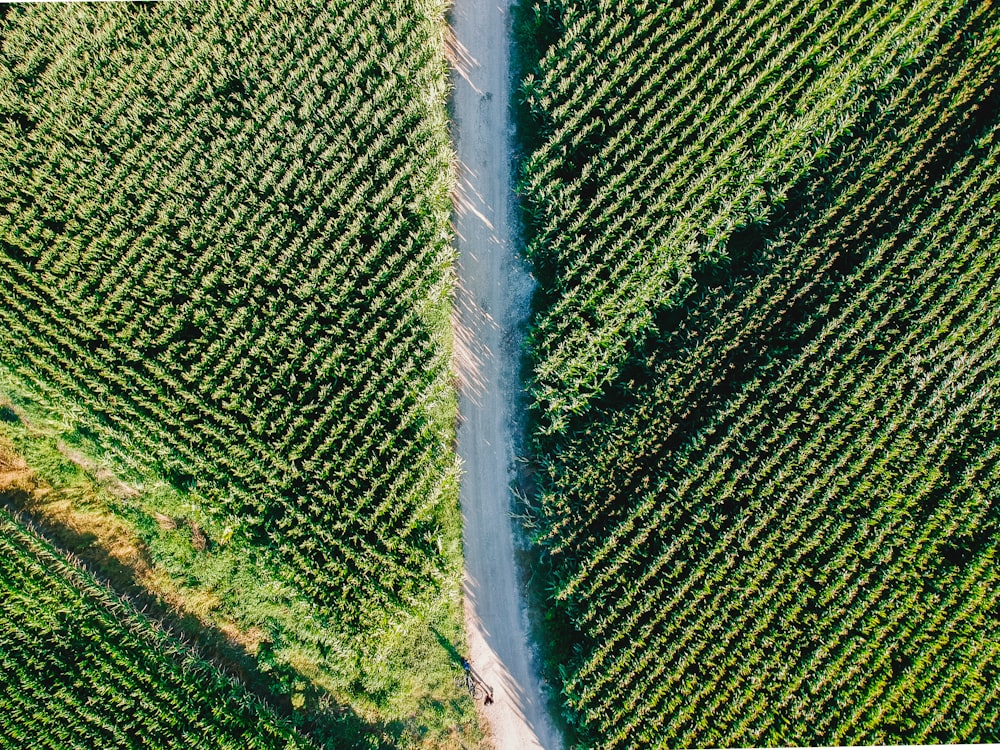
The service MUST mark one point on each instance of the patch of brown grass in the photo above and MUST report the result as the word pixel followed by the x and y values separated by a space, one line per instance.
pixel 79 520
pixel 76 520
pixel 13 468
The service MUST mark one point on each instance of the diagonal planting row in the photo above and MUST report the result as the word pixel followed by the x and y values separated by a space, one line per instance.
pixel 232 263
pixel 82 669
pixel 769 512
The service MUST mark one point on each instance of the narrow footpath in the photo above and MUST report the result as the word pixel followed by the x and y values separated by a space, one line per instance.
pixel 491 306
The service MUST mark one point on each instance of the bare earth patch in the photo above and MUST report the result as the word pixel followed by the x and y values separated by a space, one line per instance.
pixel 491 306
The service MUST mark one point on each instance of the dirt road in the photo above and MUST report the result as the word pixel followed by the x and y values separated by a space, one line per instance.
pixel 492 304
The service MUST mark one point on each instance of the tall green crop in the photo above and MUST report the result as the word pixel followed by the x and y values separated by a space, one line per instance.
pixel 765 369
pixel 81 668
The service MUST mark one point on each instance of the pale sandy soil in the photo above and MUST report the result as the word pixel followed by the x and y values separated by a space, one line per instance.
pixel 492 303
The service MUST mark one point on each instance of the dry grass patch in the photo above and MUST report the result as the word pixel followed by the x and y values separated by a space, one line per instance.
pixel 77 517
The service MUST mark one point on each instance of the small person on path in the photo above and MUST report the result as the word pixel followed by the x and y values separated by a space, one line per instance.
pixel 488 700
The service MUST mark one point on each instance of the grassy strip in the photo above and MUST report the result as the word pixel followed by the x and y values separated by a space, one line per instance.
pixel 142 538
pixel 234 340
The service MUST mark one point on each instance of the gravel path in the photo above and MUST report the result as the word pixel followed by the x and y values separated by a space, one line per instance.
pixel 492 304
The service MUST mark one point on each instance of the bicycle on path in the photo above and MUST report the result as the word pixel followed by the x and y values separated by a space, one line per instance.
pixel 473 684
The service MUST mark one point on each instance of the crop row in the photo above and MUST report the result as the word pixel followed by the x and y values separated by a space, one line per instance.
pixel 82 669
pixel 770 518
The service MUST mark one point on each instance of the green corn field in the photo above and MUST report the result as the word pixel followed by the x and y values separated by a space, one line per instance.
pixel 82 668
pixel 765 370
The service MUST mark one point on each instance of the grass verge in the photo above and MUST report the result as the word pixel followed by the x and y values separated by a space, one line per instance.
pixel 158 545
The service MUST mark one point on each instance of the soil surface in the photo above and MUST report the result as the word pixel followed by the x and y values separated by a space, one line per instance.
pixel 491 307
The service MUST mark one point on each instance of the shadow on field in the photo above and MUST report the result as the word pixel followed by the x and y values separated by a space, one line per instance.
pixel 24 496
pixel 657 373
pixel 453 654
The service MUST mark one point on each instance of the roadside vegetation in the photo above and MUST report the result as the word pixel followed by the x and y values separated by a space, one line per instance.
pixel 224 240
pixel 765 367
pixel 82 668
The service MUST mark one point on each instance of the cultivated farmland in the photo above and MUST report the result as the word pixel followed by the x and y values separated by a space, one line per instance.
pixel 765 367
pixel 83 669
pixel 225 260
